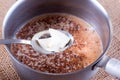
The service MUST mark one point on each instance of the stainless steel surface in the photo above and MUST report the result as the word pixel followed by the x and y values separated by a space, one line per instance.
pixel 89 10
pixel 112 67
pixel 10 41
pixel 34 44
pixel 103 62
pixel 37 47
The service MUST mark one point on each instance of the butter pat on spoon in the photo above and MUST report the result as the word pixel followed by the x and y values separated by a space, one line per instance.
pixel 56 41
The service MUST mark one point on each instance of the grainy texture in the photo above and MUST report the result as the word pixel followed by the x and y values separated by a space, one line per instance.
pixel 85 49
pixel 7 72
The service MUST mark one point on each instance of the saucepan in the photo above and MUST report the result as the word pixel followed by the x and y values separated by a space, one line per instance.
pixel 89 10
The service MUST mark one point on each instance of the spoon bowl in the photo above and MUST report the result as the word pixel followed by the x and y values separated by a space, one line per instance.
pixel 37 47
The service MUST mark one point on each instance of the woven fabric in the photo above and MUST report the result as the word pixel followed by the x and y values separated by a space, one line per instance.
pixel 7 71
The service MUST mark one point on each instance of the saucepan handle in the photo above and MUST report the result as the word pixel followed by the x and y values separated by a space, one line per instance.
pixel 111 66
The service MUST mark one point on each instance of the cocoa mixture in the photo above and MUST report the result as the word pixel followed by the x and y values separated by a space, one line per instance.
pixel 85 50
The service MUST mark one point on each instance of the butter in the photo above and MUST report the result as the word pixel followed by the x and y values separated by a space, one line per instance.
pixel 56 42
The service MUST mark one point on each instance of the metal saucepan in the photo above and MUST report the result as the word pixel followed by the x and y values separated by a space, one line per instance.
pixel 89 10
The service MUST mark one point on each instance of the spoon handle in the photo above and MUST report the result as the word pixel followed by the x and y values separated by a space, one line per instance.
pixel 10 41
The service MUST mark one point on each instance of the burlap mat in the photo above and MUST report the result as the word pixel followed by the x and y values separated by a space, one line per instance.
pixel 7 71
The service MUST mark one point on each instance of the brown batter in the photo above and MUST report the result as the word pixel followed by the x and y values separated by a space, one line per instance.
pixel 85 50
